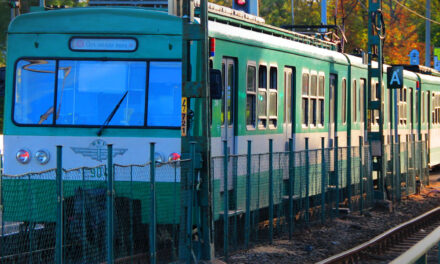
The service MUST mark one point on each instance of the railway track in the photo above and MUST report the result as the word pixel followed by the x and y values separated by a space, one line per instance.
pixel 391 244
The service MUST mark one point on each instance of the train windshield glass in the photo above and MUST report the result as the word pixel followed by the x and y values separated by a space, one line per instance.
pixel 85 92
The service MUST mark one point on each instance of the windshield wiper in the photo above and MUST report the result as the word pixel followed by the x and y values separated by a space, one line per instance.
pixel 109 118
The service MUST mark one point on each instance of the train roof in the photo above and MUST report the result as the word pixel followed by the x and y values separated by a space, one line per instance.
pixel 94 20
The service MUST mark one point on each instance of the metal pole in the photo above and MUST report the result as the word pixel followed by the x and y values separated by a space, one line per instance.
pixel 323 14
pixel 225 200
pixel 59 225
pixel 248 194
pixel 291 189
pixel 428 35
pixel 337 176
pixel 110 204
pixel 307 159
pixel 323 180
pixel 361 174
pixel 293 14
pixel 270 191
pixel 152 232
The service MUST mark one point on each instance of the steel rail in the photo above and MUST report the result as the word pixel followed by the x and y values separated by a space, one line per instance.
pixel 384 240
pixel 418 250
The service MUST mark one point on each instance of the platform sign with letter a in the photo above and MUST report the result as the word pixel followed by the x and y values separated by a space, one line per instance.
pixel 395 77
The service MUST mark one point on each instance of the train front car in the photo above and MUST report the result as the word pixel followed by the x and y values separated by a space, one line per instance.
pixel 70 70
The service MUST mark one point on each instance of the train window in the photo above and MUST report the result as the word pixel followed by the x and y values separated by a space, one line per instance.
pixel 164 94
pixel 321 98
pixel 273 78
pixel 251 95
pixel 85 97
pixel 262 96
pixel 273 97
pixel 361 99
pixel 34 92
pixel 288 89
pixel 313 99
pixel 230 89
pixel 427 107
pixel 344 101
pixel 305 99
pixel 354 105
pixel 423 108
pixel 262 77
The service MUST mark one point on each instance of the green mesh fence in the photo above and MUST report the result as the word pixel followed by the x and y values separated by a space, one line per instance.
pixel 255 198
pixel 29 217
pixel 271 194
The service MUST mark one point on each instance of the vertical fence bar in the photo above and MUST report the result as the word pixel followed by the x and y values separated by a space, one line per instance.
pixel 407 167
pixel 307 160
pixel 190 205
pixel 270 191
pixel 225 200
pixel 83 218
pixel 361 175
pixel 110 204
pixel 59 224
pixel 1 208
pixel 31 235
pixel 348 176
pixel 323 180
pixel 291 190
pixel 337 176
pixel 152 232
pixel 248 194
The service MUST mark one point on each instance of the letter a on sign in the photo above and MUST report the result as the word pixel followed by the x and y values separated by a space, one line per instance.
pixel 395 77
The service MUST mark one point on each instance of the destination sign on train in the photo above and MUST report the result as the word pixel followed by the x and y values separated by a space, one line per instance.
pixel 103 44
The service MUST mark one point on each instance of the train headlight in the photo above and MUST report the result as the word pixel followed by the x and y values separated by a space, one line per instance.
pixel 158 159
pixel 42 156
pixel 23 156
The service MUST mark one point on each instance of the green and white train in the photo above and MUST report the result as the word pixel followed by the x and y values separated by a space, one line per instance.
pixel 68 69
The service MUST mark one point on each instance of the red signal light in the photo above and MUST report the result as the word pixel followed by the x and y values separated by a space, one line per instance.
pixel 240 2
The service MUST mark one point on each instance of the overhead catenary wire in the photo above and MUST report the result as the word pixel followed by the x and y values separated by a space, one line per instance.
pixel 415 13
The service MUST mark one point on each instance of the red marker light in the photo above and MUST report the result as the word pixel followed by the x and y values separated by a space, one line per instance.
pixel 174 157
pixel 418 85
pixel 240 2
pixel 212 47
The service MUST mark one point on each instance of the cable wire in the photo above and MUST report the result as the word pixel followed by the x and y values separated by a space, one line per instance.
pixel 415 13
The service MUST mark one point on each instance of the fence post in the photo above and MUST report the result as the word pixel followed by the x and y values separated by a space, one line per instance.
pixel 337 176
pixel 248 194
pixel 349 172
pixel 1 207
pixel 83 219
pixel 361 174
pixel 291 190
pixel 307 159
pixel 270 191
pixel 59 224
pixel 110 204
pixel 323 180
pixel 225 200
pixel 152 232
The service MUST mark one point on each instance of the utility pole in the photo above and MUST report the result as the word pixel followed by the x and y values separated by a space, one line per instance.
pixel 376 35
pixel 196 199
pixel 428 35
pixel 293 13
pixel 323 14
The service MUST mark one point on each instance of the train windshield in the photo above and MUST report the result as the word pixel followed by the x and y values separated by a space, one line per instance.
pixel 84 93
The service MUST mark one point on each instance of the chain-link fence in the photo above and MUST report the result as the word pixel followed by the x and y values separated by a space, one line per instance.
pixel 260 196
pixel 84 216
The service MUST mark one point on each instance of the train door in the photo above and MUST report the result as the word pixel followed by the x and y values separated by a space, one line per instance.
pixel 332 110
pixel 228 103
pixel 289 90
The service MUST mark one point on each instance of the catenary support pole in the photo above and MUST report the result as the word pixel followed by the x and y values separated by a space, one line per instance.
pixel 110 204
pixel 428 35
pixel 152 232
